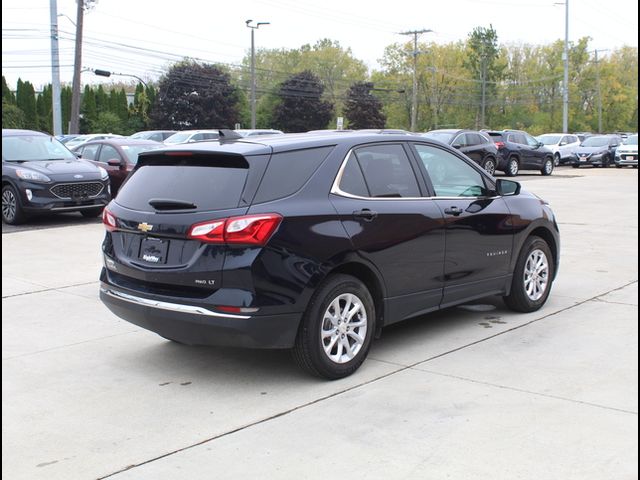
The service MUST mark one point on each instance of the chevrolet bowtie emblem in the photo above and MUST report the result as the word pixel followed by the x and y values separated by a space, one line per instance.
pixel 145 227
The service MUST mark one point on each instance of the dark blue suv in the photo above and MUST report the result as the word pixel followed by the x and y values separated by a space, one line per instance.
pixel 315 242
pixel 520 151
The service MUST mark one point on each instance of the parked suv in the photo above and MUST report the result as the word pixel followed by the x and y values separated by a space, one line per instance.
pixel 478 146
pixel 561 144
pixel 41 175
pixel 520 151
pixel 206 244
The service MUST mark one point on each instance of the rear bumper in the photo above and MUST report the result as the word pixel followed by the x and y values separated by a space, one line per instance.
pixel 196 325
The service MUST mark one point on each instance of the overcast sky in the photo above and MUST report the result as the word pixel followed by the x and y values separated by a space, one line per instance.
pixel 143 37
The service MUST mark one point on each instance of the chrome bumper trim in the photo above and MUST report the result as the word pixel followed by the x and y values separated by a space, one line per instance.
pixel 174 307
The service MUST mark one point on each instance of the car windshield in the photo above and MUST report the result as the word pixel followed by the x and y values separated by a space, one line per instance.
pixel 28 148
pixel 549 139
pixel 132 151
pixel 596 142
pixel 442 136
pixel 632 140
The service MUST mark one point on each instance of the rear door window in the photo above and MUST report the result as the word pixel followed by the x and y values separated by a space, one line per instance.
pixel 89 152
pixel 109 153
pixel 212 184
pixel 387 171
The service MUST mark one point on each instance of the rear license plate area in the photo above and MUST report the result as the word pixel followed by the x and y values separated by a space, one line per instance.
pixel 154 250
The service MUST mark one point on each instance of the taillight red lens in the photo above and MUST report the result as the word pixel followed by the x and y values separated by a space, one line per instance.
pixel 500 144
pixel 210 232
pixel 251 229
pixel 109 220
pixel 246 230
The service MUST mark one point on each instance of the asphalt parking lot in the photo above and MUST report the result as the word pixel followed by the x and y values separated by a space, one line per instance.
pixel 471 392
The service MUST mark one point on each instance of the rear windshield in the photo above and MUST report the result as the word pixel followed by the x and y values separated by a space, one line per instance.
pixel 208 187
pixel 495 136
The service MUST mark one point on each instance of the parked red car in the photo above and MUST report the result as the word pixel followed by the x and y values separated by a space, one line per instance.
pixel 117 156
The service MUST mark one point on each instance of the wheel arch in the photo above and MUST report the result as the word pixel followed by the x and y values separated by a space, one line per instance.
pixel 372 281
pixel 548 237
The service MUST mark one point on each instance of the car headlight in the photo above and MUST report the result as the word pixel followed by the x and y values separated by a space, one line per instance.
pixel 104 175
pixel 32 176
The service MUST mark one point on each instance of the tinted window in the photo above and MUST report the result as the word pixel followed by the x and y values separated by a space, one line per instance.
pixel 289 171
pixel 461 140
pixel 387 171
pixel 496 137
pixel 532 142
pixel 352 180
pixel 108 153
pixel 450 176
pixel 90 151
pixel 208 187
pixel 474 139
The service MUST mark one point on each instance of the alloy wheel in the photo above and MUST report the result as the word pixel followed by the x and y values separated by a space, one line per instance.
pixel 536 274
pixel 9 206
pixel 344 328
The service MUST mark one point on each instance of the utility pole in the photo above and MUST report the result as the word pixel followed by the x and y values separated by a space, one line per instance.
pixel 483 70
pixel 598 91
pixel 74 126
pixel 565 93
pixel 55 70
pixel 253 70
pixel 414 94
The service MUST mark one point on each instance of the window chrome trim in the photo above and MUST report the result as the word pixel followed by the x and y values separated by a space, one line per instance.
pixel 335 189
pixel 173 307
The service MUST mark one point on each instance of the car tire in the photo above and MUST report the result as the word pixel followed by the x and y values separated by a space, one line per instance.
pixel 575 166
pixel 556 160
pixel 12 212
pixel 512 167
pixel 337 329
pixel 547 166
pixel 606 162
pixel 91 213
pixel 490 166
pixel 532 277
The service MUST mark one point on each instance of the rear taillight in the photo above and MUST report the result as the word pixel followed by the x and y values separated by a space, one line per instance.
pixel 500 144
pixel 109 220
pixel 246 230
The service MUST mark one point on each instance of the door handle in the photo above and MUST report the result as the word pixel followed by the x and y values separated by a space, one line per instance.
pixel 366 214
pixel 455 211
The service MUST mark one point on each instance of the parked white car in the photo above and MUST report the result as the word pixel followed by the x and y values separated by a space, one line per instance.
pixel 561 144
pixel 82 139
pixel 190 136
pixel 627 153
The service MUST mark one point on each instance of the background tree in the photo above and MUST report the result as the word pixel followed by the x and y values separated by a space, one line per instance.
pixel 88 110
pixel 483 62
pixel 362 109
pixel 26 101
pixel 193 95
pixel 12 116
pixel 7 95
pixel 44 107
pixel 301 107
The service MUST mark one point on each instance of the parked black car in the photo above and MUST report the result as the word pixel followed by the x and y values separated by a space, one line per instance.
pixel 206 244
pixel 598 151
pixel 520 151
pixel 475 145
pixel 41 175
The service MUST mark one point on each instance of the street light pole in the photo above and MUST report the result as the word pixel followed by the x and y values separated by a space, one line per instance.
pixel 414 95
pixel 55 70
pixel 106 73
pixel 253 70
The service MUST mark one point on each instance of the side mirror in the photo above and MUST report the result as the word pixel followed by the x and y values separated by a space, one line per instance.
pixel 540 144
pixel 114 162
pixel 456 145
pixel 78 154
pixel 562 144
pixel 507 187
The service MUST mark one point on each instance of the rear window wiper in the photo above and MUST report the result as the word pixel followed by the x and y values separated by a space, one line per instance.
pixel 171 204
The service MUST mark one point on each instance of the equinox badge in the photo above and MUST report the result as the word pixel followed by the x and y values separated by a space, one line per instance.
pixel 145 227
